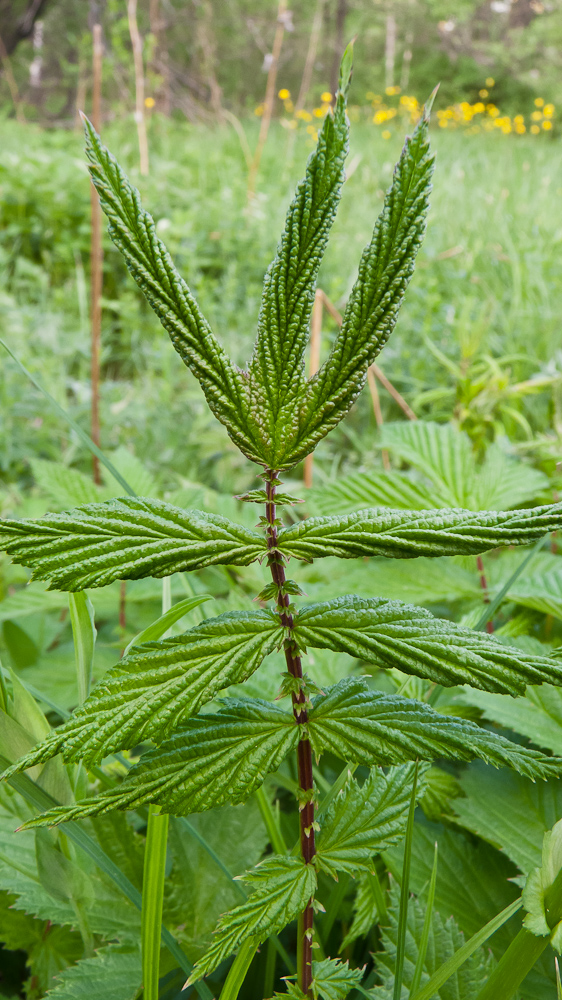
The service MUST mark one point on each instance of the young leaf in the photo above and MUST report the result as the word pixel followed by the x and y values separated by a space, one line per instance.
pixel 369 727
pixel 150 691
pixel 333 979
pixel 386 267
pixel 364 821
pixel 392 634
pixel 125 539
pixel 134 233
pixel 401 534
pixel 542 897
pixel 284 886
pixel 212 760
pixel 276 370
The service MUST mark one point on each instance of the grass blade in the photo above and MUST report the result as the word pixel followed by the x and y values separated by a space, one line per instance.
pixel 85 438
pixel 405 892
pixel 445 971
pixel 271 822
pixel 152 899
pixel 493 606
pixel 84 634
pixel 238 970
pixel 426 926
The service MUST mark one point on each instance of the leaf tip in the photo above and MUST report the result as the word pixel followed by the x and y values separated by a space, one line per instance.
pixel 429 103
pixel 346 68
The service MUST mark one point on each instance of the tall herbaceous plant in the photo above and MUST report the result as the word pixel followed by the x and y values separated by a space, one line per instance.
pixel 276 416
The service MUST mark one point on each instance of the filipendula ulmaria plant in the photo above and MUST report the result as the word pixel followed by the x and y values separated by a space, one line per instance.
pixel 276 416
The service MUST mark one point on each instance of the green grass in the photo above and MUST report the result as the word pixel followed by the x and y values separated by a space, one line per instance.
pixel 487 283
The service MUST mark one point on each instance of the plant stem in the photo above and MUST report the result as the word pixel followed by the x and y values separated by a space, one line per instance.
pixel 304 751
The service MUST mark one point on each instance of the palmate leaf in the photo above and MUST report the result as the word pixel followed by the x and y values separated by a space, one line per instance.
pixel 125 539
pixel 212 760
pixel 385 270
pixel 444 941
pixel 133 231
pixel 283 887
pixel 365 820
pixel 149 692
pixel 276 370
pixel 369 727
pixel 392 634
pixel 401 534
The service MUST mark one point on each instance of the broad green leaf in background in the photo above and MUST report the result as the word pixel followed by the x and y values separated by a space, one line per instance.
pixel 445 939
pixel 134 233
pixel 409 638
pixel 125 539
pixel 213 760
pixel 386 267
pixel 509 811
pixel 114 973
pixel 444 456
pixel 367 909
pixel 404 535
pixel 364 821
pixel 49 949
pixel 157 685
pixel 447 475
pixel 283 887
pixel 538 715
pixel 369 727
pixel 276 369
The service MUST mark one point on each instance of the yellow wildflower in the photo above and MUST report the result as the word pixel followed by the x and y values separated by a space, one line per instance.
pixel 259 110
pixel 539 102
pixel 490 81
pixel 548 110
pixel 547 124
pixel 284 94
pixel 326 97
pixel 386 134
pixel 305 116
pixel 318 112
pixel 483 93
pixel 535 129
pixel 536 116
pixel 149 102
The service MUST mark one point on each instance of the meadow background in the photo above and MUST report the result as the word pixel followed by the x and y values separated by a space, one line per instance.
pixel 477 348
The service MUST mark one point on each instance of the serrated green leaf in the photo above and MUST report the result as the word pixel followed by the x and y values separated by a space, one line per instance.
pixel 445 939
pixel 260 496
pixel 114 973
pixel 369 727
pixel 211 761
pixel 409 638
pixel 401 534
pixel 332 979
pixel 364 821
pixel 284 886
pixel 150 691
pixel 133 231
pixel 276 372
pixel 125 539
pixel 386 267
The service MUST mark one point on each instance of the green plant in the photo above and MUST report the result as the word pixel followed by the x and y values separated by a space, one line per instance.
pixel 202 761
